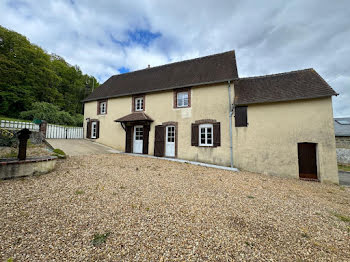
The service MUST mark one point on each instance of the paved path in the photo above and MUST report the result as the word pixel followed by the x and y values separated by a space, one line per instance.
pixel 344 178
pixel 75 147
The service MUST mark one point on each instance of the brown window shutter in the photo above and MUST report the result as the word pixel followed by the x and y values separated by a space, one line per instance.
pixel 88 129
pixel 128 139
pixel 217 134
pixel 159 141
pixel 241 116
pixel 98 107
pixel 97 129
pixel 194 135
pixel 106 106
pixel 145 139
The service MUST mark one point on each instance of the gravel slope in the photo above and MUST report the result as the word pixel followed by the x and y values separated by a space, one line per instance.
pixel 157 210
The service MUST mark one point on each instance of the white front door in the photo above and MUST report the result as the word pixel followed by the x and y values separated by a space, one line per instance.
pixel 138 139
pixel 170 141
pixel 93 129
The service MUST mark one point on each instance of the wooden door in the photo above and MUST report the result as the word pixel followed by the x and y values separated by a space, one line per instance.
pixel 128 139
pixel 159 140
pixel 307 161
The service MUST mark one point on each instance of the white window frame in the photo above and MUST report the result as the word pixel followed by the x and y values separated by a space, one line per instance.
pixel 183 99
pixel 103 107
pixel 205 127
pixel 138 133
pixel 170 135
pixel 93 129
pixel 139 103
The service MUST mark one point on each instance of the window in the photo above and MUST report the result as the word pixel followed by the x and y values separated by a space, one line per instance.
pixel 241 116
pixel 139 104
pixel 171 134
pixel 139 133
pixel 182 99
pixel 93 130
pixel 102 107
pixel 206 135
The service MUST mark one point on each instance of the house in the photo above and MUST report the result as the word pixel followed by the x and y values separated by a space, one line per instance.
pixel 342 132
pixel 200 110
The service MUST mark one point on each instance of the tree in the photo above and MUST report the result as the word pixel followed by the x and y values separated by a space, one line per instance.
pixel 28 75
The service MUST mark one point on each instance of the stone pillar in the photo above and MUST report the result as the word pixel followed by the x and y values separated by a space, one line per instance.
pixel 43 127
pixel 23 136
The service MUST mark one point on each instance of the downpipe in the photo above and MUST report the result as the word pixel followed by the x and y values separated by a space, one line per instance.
pixel 230 121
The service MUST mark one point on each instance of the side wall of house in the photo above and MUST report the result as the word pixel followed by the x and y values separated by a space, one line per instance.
pixel 207 102
pixel 270 142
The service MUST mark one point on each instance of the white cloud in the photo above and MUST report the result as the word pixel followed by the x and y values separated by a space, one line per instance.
pixel 269 37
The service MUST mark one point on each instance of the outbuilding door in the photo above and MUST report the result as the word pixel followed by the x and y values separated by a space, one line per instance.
pixel 170 141
pixel 138 139
pixel 307 161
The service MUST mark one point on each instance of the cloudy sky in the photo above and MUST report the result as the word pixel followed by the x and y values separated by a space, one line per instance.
pixel 110 37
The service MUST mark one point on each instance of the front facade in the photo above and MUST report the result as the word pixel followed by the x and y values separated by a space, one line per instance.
pixel 269 134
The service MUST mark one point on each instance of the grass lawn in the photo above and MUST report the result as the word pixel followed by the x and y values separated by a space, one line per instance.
pixel 344 168
pixel 124 208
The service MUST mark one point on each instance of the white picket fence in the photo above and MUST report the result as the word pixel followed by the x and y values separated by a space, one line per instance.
pixel 52 131
pixel 16 125
pixel 56 131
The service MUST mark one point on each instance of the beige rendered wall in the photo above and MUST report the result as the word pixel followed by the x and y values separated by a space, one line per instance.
pixel 270 142
pixel 207 102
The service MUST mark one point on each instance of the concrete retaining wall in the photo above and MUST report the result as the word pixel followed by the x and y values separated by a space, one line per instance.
pixel 31 166
pixel 343 156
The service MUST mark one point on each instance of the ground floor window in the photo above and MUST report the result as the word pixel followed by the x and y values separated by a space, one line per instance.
pixel 206 135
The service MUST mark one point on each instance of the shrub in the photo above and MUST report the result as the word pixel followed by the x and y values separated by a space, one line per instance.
pixel 8 138
pixel 52 114
pixel 59 153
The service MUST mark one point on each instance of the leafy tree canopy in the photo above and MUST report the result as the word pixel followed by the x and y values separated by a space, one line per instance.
pixel 31 80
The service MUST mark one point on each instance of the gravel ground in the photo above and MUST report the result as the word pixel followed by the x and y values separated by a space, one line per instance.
pixel 156 210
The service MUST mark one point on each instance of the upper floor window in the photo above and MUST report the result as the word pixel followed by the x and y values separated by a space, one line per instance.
pixel 102 108
pixel 206 135
pixel 139 104
pixel 182 98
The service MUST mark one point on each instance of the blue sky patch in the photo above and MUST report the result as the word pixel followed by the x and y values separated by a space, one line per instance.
pixel 142 37
pixel 123 70
pixel 139 37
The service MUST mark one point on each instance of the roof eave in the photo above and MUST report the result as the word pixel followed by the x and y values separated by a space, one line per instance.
pixel 159 90
pixel 283 100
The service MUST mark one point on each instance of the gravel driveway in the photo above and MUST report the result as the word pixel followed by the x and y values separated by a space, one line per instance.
pixel 125 208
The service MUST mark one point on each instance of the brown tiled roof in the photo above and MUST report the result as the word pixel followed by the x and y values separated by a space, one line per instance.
pixel 209 69
pixel 136 116
pixel 295 85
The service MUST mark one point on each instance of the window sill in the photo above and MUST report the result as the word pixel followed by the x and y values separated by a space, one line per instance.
pixel 179 107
